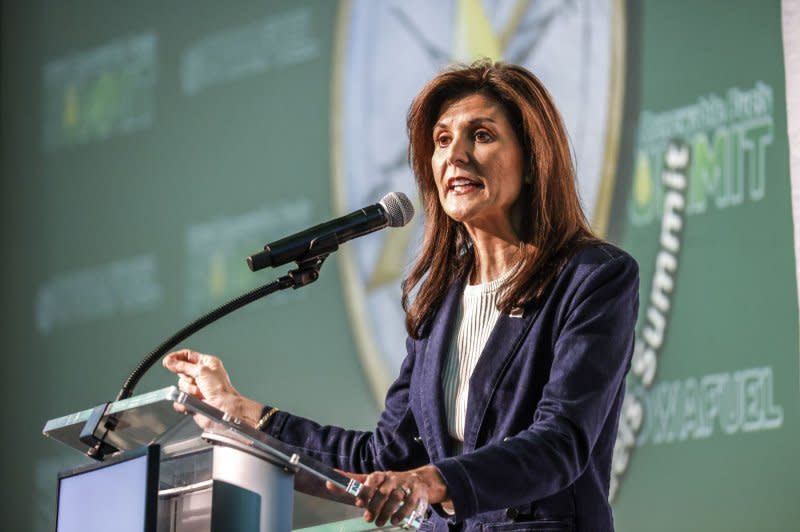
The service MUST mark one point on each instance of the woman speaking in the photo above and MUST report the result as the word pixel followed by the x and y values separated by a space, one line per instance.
pixel 520 330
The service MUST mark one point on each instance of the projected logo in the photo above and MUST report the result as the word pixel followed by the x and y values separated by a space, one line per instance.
pixel 280 40
pixel 99 93
pixel 386 52
pixel 708 156
pixel 215 268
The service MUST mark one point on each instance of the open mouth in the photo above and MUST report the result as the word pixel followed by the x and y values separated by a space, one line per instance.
pixel 462 185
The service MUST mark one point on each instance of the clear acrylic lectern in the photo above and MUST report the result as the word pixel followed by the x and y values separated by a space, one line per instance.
pixel 227 476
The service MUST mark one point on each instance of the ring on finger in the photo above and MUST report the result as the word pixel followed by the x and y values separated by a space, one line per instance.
pixel 405 489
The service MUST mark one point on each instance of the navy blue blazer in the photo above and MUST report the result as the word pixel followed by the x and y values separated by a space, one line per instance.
pixel 542 414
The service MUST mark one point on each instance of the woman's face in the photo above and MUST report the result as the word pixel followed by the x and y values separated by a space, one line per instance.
pixel 477 164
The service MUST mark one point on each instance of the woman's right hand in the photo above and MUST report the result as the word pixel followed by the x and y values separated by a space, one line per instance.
pixel 204 377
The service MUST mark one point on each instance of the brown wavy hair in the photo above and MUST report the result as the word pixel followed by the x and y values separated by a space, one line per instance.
pixel 552 224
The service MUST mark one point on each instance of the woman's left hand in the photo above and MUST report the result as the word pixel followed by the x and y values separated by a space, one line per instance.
pixel 393 496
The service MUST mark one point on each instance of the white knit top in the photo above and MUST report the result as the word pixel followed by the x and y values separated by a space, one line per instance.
pixel 478 314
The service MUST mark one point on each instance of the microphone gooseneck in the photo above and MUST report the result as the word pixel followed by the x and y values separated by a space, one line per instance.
pixel 308 249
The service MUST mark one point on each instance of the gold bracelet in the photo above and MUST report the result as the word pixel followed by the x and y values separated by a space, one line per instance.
pixel 265 418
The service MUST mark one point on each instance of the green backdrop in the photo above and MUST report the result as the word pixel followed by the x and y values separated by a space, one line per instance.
pixel 148 148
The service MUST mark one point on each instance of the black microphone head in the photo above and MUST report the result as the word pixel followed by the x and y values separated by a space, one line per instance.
pixel 398 207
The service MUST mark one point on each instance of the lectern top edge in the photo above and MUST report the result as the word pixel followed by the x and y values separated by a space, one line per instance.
pixel 151 418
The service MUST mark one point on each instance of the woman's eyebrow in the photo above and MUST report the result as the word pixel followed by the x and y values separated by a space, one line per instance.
pixel 471 122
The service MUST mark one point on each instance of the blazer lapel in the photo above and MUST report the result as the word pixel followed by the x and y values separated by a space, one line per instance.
pixel 437 438
pixel 503 343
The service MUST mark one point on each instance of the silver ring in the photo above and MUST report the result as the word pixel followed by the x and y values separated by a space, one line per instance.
pixel 406 490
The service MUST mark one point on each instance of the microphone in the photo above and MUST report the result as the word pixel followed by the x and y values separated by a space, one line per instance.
pixel 393 210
